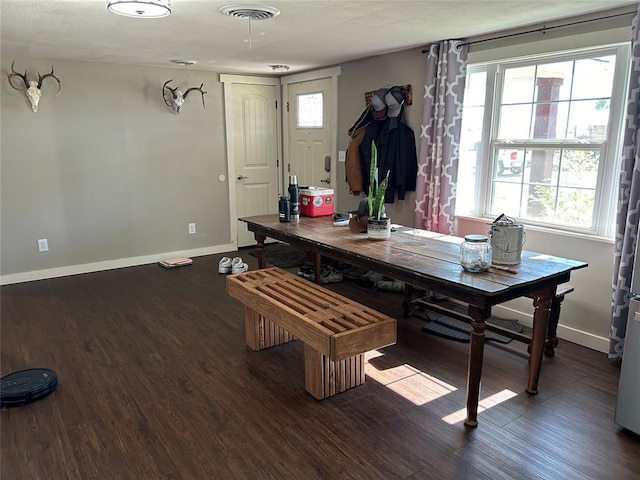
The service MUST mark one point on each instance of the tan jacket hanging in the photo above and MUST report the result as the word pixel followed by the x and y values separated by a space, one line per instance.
pixel 352 160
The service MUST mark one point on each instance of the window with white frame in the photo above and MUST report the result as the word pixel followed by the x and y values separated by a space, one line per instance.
pixel 541 139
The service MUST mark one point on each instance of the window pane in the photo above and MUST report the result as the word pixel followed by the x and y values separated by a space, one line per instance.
pixel 309 111
pixel 549 120
pixel 579 168
pixel 594 77
pixel 506 199
pixel 518 85
pixel 539 203
pixel 588 120
pixel 470 139
pixel 541 184
pixel 475 89
pixel 514 121
pixel 575 207
pixel 509 162
pixel 553 81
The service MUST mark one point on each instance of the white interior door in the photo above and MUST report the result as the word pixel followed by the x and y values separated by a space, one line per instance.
pixel 253 146
pixel 310 115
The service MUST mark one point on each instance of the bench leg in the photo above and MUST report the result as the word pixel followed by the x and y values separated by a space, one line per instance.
pixel 261 333
pixel 324 377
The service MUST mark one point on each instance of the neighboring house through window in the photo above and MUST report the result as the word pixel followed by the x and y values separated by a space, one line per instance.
pixel 541 139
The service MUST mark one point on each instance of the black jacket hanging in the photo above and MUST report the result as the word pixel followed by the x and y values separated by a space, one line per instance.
pixel 396 145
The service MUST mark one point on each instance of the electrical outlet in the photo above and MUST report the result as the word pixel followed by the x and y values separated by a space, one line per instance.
pixel 192 228
pixel 43 245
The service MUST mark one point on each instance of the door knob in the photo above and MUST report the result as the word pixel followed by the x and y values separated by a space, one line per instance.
pixel 326 180
pixel 240 177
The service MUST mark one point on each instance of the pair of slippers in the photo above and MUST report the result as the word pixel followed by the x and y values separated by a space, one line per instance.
pixel 235 265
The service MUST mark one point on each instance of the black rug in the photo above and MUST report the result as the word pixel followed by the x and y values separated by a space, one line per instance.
pixel 282 255
pixel 458 330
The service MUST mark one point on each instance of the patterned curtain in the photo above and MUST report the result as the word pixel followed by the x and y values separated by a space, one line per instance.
pixel 628 205
pixel 440 136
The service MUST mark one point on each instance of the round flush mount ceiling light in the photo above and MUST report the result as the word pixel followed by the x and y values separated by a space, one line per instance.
pixel 250 12
pixel 280 68
pixel 140 8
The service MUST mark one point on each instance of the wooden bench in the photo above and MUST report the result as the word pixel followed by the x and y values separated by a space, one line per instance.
pixel 280 307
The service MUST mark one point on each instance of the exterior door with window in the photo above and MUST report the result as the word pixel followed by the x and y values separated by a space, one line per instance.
pixel 310 114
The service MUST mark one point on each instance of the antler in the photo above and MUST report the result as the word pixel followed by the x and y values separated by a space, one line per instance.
pixel 198 89
pixel 172 90
pixel 13 73
pixel 42 77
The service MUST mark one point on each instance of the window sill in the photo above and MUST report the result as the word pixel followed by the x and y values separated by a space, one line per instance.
pixel 547 230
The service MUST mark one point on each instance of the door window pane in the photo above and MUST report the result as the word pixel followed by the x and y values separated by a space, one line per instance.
pixel 309 110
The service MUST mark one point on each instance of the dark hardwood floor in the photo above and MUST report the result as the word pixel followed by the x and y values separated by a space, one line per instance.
pixel 155 382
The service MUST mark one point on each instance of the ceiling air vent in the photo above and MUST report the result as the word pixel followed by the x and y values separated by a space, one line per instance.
pixel 250 12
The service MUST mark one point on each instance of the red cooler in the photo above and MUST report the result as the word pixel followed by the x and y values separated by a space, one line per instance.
pixel 316 202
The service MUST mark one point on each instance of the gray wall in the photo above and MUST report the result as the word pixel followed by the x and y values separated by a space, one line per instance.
pixel 402 68
pixel 107 171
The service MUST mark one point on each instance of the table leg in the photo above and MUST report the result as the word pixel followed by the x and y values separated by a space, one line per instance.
pixel 552 328
pixel 474 369
pixel 542 303
pixel 317 266
pixel 262 254
pixel 406 302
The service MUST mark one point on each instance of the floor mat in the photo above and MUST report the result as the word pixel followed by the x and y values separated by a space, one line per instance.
pixel 458 330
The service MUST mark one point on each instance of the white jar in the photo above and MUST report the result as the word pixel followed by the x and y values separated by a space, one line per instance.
pixel 475 253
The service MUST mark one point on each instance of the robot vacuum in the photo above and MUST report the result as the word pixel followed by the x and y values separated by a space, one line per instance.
pixel 26 386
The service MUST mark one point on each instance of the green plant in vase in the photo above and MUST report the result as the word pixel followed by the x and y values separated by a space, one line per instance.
pixel 378 227
pixel 376 191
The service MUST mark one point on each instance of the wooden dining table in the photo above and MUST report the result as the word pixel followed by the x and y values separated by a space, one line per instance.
pixel 431 261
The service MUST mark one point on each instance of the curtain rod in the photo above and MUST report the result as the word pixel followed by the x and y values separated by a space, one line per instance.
pixel 543 29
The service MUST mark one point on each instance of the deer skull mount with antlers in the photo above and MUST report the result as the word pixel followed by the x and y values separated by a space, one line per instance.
pixel 32 89
pixel 174 98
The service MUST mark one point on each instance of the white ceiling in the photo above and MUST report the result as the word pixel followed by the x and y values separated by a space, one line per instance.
pixel 307 34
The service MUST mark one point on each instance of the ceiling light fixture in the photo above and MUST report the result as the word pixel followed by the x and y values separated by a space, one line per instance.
pixel 140 8
pixel 280 68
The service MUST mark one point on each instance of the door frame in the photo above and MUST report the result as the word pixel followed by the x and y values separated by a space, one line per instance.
pixel 227 81
pixel 332 73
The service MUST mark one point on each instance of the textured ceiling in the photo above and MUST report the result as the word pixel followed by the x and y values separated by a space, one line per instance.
pixel 306 35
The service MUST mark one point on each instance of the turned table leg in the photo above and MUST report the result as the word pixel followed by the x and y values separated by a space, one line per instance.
pixel 542 304
pixel 262 254
pixel 474 369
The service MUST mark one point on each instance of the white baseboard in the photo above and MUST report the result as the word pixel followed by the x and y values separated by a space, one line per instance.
pixel 586 339
pixel 110 264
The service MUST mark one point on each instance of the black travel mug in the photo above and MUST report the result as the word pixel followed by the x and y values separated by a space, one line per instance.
pixel 284 208
pixel 294 195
